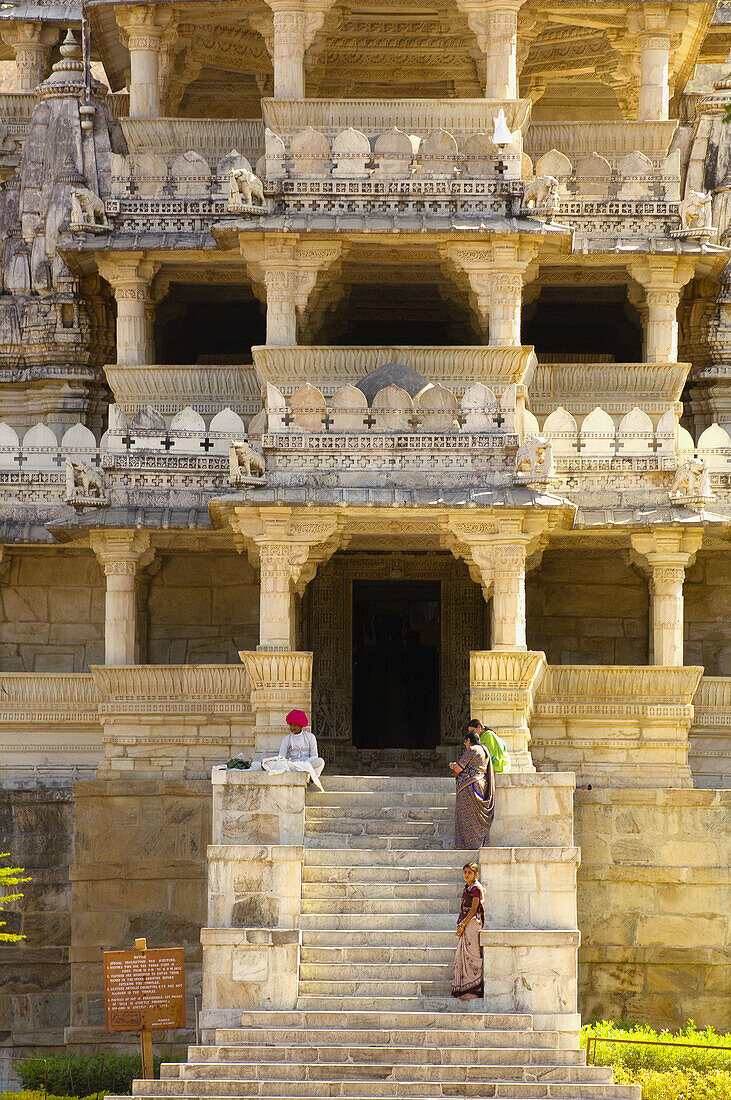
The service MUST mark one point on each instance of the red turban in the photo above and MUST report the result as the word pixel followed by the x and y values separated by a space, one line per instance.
pixel 297 718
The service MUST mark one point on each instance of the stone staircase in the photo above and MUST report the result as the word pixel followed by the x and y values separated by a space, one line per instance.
pixel 374 1017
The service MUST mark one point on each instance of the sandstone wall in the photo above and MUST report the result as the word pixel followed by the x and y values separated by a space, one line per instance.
pixel 589 608
pixel 202 608
pixel 654 905
pixel 139 870
pixel 52 611
pixel 36 828
pixel 708 613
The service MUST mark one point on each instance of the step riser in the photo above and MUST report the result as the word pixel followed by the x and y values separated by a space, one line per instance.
pixel 423 1090
pixel 454 1049
pixel 434 1065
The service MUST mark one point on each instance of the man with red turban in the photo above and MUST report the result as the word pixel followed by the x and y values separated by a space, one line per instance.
pixel 298 751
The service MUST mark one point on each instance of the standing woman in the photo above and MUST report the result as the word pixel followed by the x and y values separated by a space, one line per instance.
pixel 475 805
pixel 467 980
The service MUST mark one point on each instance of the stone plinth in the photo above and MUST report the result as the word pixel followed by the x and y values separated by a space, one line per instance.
pixel 253 807
pixel 530 887
pixel 254 886
pixel 534 971
pixel 502 687
pixel 247 968
pixel 534 810
pixel 616 726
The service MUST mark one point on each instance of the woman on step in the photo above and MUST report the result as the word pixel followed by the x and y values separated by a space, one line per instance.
pixel 467 980
pixel 475 805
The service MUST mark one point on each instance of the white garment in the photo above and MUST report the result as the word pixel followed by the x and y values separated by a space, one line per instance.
pixel 297 753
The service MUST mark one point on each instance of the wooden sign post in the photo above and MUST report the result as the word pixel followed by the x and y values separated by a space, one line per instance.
pixel 144 991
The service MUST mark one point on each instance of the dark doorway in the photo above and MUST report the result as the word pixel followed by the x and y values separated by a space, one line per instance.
pixel 396 664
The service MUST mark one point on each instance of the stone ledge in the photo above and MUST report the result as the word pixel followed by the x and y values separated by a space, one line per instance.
pixel 259 937
pixel 530 855
pixel 654 796
pixel 238 777
pixel 671 956
pixel 530 937
pixel 536 779
pixel 102 788
pixel 239 852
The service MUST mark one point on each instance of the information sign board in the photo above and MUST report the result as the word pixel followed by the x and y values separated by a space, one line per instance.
pixel 144 990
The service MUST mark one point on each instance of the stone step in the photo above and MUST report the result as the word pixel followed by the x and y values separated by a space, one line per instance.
pixel 427 970
pixel 379 802
pixel 373 842
pixel 452 1046
pixel 438 1014
pixel 388 875
pixel 356 827
pixel 372 988
pixel 370 938
pixel 384 921
pixel 397 1089
pixel 400 812
pixel 386 905
pixel 416 955
pixel 337 892
pixel 339 855
pixel 437 1004
pixel 429 1066
pixel 383 784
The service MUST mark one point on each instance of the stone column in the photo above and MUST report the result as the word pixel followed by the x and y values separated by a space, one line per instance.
pixel 494 273
pixel 666 553
pixel 654 102
pixel 663 279
pixel 495 25
pixel 142 30
pixel 502 568
pixel 288 49
pixel 276 621
pixel 281 288
pixel 122 553
pixel 130 276
pixel 31 43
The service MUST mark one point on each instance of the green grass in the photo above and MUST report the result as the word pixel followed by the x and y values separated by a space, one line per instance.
pixel 670 1072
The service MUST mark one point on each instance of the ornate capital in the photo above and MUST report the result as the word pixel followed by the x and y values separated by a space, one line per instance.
pixel 122 552
pixel 287 546
pixel 666 552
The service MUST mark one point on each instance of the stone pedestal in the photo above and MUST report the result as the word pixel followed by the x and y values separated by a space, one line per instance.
pixel 251 947
pixel 501 696
pixel 530 887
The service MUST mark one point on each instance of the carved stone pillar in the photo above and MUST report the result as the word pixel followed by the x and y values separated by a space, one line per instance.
pixel 654 101
pixel 663 279
pixel 288 271
pixel 31 43
pixel 495 24
pixel 666 553
pixel 502 568
pixel 495 273
pixel 143 28
pixel 130 275
pixel 288 50
pixel 122 554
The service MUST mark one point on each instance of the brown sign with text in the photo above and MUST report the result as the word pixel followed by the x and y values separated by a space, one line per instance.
pixel 144 990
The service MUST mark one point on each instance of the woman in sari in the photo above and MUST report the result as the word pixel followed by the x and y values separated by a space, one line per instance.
pixel 475 806
pixel 467 979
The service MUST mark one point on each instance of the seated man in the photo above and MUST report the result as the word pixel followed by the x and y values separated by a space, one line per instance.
pixel 297 752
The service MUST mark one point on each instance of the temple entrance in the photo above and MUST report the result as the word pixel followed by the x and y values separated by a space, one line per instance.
pixel 396 664
pixel 391 634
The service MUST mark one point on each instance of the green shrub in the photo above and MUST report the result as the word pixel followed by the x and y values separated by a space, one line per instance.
pixel 82 1075
pixel 670 1056
pixel 677 1084
pixel 27 1094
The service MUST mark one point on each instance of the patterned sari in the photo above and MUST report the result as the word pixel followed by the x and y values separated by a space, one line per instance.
pixel 475 806
pixel 468 974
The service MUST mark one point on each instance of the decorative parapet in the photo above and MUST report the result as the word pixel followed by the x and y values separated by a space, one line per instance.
pixel 169 389
pixel 272 671
pixel 502 689
pixel 617 387
pixel 50 728
pixel 212 138
pixel 613 726
pixel 372 116
pixel 328 368
pixel 710 734
pixel 172 689
pixel 607 139
pixel 620 689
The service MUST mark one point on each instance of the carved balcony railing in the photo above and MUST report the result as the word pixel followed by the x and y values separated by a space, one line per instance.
pixel 611 140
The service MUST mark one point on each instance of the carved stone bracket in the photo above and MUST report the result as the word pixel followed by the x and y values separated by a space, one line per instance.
pixel 495 273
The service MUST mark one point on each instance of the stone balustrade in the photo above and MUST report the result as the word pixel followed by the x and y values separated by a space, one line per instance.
pixel 211 138
pixel 609 140
pixel 710 735
pixel 615 726
pixel 208 388
pixel 633 177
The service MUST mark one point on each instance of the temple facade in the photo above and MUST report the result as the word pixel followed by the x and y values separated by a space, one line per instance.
pixel 373 360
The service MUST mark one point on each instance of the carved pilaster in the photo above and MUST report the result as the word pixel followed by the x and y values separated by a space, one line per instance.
pixel 495 273
pixel 122 554
pixel 130 276
pixel 31 44
pixel 666 554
